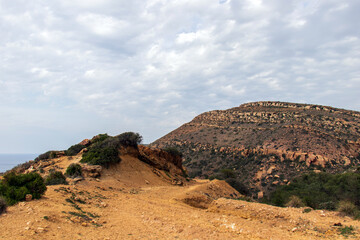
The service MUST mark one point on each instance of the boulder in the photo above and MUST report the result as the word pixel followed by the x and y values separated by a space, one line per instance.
pixel 28 197
pixel 85 142
pixel 93 171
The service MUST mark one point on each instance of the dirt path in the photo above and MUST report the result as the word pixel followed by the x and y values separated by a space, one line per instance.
pixel 132 202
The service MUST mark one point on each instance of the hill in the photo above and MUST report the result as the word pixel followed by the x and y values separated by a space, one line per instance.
pixel 267 144
pixel 145 196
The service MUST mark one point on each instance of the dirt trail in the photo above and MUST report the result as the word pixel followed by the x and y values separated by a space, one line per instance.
pixel 132 202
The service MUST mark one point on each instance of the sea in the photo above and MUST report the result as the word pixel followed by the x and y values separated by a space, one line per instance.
pixel 8 161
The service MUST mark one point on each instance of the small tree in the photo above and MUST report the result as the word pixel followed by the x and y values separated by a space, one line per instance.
pixel 74 170
pixel 56 178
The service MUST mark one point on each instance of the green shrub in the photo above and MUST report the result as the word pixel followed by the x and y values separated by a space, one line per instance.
pixel 99 138
pixel 307 210
pixel 74 150
pixel 55 178
pixel 129 139
pixel 73 170
pixel 47 155
pixel 103 152
pixel 347 208
pixel 3 205
pixel 320 190
pixel 14 187
pixel 101 156
pixel 173 151
pixel 295 201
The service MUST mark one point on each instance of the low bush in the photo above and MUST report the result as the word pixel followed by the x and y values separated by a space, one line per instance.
pixel 173 151
pixel 13 188
pixel 99 138
pixel 73 170
pixel 295 202
pixel 47 155
pixel 3 205
pixel 348 208
pixel 55 178
pixel 129 139
pixel 74 150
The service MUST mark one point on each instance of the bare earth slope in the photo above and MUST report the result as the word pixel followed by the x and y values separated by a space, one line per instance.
pixel 269 143
pixel 134 200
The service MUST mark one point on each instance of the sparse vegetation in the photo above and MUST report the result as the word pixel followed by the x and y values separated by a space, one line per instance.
pixel 13 188
pixel 295 202
pixel 55 178
pixel 348 208
pixel 346 230
pixel 73 170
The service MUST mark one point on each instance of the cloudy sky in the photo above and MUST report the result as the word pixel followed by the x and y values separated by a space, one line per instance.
pixel 72 69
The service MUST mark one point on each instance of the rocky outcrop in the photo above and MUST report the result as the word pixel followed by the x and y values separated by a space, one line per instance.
pixel 161 159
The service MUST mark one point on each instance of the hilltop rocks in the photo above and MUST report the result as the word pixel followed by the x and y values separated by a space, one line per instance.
pixel 85 142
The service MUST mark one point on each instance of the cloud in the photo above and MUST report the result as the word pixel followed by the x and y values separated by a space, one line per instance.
pixel 85 67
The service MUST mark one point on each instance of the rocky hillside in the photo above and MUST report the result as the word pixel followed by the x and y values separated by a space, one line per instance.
pixel 268 143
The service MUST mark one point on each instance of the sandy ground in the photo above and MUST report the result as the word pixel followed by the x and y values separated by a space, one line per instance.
pixel 132 202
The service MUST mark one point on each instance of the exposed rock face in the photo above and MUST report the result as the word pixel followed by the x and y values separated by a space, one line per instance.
pixel 161 159
pixel 85 142
pixel 291 138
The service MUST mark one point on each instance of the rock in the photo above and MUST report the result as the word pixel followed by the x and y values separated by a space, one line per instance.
pixel 78 179
pixel 177 182
pixel 28 197
pixel 93 171
pixel 84 224
pixel 270 170
pixel 40 230
pixel 260 195
pixel 103 204
pixel 85 142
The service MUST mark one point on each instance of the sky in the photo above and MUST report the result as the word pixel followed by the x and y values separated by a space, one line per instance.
pixel 72 69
